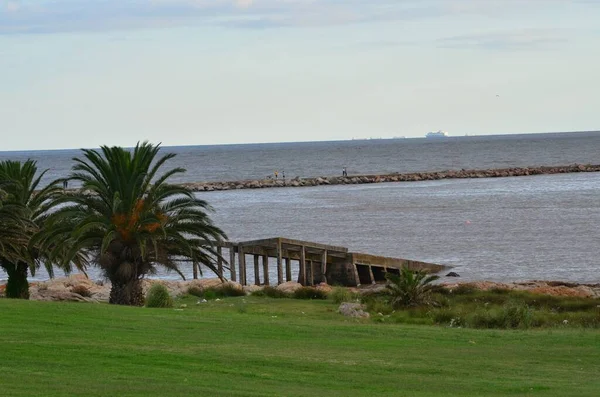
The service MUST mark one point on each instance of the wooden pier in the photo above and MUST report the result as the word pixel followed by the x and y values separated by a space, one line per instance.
pixel 316 263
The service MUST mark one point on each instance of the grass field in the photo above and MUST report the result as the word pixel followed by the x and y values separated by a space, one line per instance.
pixel 277 347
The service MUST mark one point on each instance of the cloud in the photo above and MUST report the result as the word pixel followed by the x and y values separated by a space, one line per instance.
pixel 530 39
pixel 44 16
pixel 50 16
pixel 10 6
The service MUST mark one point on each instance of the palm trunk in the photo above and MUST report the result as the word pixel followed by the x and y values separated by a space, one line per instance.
pixel 126 292
pixel 17 286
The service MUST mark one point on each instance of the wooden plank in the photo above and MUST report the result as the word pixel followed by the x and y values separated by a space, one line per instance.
pixel 279 264
pixel 302 275
pixel 265 261
pixel 288 269
pixel 274 242
pixel 232 264
pixel 220 261
pixel 256 267
pixel 311 272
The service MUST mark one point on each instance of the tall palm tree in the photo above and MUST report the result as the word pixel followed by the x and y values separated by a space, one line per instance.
pixel 127 220
pixel 23 213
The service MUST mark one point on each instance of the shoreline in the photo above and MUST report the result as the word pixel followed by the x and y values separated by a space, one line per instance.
pixel 66 288
pixel 393 177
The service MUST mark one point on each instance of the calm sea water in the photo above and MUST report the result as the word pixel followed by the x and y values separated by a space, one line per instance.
pixel 538 227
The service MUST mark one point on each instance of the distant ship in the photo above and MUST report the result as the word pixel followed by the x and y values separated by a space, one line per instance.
pixel 438 134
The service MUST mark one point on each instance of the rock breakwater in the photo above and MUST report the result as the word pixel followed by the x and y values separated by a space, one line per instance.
pixel 394 177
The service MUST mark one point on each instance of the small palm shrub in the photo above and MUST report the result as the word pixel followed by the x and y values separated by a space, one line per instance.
pixel 309 293
pixel 270 292
pixel 158 296
pixel 409 288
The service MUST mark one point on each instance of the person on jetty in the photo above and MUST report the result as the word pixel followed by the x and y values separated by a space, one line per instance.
pixel 344 172
pixel 276 174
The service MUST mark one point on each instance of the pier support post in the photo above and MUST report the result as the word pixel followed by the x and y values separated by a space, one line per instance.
pixel 324 267
pixel 265 261
pixel 220 261
pixel 232 263
pixel 256 267
pixel 371 274
pixel 279 263
pixel 288 269
pixel 195 270
pixel 242 260
pixel 302 275
pixel 311 273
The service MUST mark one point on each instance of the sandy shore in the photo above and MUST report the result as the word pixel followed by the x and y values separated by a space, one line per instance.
pixel 395 177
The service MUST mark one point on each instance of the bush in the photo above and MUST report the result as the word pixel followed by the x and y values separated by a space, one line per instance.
pixel 81 290
pixel 341 294
pixel 230 290
pixel 195 291
pixel 270 292
pixel 377 304
pixel 158 296
pixel 309 293
pixel 222 291
pixel 516 315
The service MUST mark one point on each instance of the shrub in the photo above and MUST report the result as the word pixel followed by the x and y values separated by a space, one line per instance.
pixel 158 296
pixel 216 292
pixel 230 290
pixel 516 315
pixel 81 290
pixel 210 294
pixel 341 294
pixel 377 304
pixel 309 293
pixel 409 288
pixel 195 291
pixel 270 292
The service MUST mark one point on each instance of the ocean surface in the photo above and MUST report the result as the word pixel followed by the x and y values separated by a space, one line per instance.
pixel 522 228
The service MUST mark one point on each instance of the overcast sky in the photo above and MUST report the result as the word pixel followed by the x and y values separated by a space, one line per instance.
pixel 81 73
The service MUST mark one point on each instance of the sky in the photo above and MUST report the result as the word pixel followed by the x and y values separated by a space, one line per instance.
pixel 83 73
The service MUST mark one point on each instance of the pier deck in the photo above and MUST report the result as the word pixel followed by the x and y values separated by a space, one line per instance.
pixel 316 263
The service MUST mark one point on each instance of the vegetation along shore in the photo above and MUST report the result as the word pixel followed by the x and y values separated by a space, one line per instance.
pixel 394 177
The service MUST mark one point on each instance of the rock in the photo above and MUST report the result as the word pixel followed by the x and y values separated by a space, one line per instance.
pixel 452 274
pixel 249 289
pixel 354 310
pixel 58 295
pixel 324 287
pixel 289 287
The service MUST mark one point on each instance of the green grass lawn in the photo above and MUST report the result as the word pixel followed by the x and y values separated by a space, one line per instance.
pixel 277 347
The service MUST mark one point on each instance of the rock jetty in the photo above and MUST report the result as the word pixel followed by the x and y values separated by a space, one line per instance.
pixel 394 177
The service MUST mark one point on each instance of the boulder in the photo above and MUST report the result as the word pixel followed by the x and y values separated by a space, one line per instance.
pixel 324 287
pixel 248 289
pixel 353 310
pixel 452 274
pixel 289 287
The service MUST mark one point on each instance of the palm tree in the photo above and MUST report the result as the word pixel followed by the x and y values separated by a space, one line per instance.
pixel 127 220
pixel 22 215
pixel 409 288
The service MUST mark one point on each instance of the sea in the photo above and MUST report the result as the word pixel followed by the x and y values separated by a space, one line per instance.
pixel 541 227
